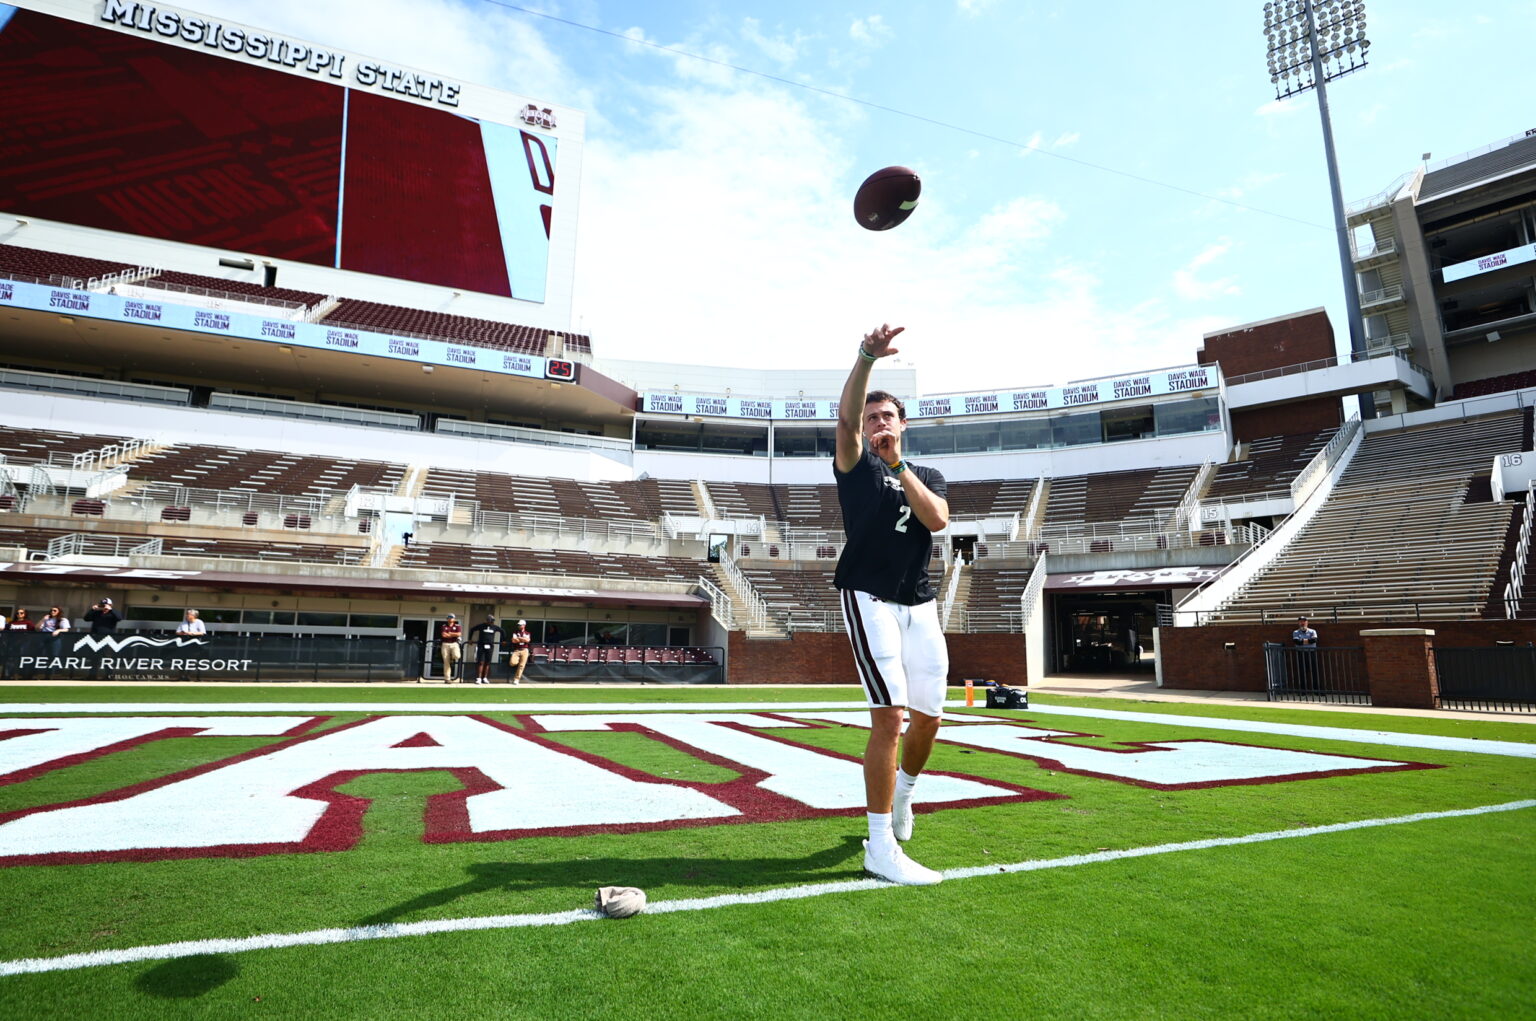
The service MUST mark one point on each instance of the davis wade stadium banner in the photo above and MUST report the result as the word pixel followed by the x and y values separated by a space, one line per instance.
pixel 1186 379
pixel 243 326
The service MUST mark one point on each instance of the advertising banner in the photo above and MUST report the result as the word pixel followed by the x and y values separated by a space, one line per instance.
pixel 1103 391
pixel 240 325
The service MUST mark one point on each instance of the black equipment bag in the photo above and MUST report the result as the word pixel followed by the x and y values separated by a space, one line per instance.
pixel 1000 697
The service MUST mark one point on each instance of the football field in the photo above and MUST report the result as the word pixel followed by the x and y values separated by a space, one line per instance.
pixel 371 852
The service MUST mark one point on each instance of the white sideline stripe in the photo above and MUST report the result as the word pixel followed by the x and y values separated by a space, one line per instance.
pixel 1435 742
pixel 319 937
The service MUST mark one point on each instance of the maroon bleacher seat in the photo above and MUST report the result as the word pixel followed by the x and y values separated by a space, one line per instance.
pixel 175 513
pixel 92 507
pixel 35 262
pixel 296 521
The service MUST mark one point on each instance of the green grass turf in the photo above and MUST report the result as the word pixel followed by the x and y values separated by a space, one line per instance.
pixel 1428 919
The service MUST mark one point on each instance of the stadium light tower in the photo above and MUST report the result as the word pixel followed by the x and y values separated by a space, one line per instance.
pixel 1312 42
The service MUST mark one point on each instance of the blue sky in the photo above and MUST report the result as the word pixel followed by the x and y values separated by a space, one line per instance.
pixel 716 223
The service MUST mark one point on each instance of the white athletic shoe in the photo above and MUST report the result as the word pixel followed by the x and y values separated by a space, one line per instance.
pixel 901 820
pixel 894 866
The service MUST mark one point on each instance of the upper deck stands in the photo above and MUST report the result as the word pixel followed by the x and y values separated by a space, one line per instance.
pixel 490 333
pixel 615 567
pixel 1108 497
pixel 262 471
pixel 35 262
pixel 1271 465
pixel 236 287
pixel 37 444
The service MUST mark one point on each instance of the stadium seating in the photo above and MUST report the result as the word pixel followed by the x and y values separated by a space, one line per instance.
pixel 36 444
pixel 995 498
pixel 261 471
pixel 36 540
pixel 613 567
pixel 786 590
pixel 490 333
pixel 35 262
pixel 1495 385
pixel 1271 465
pixel 993 601
pixel 552 497
pixel 1397 531
pixel 1140 494
pixel 193 280
pixel 743 500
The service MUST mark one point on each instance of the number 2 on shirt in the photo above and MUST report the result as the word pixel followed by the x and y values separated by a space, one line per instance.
pixel 901 522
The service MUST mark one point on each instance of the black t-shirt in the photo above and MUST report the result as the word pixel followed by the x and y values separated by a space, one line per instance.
pixel 484 635
pixel 888 548
pixel 103 622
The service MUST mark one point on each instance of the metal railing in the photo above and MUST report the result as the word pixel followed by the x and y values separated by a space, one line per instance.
pixel 94 460
pixel 1514 590
pixel 245 404
pixel 947 604
pixel 720 605
pixel 1323 461
pixel 1381 198
pixel 1384 246
pixel 1500 679
pixel 90 544
pixel 540 437
pixel 21 379
pixel 757 615
pixel 581 529
pixel 234 297
pixel 1316 674
pixel 1398 341
pixel 1325 363
pixel 1384 611
pixel 1029 599
pixel 1392 292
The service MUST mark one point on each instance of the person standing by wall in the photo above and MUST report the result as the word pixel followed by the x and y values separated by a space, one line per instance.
pixel 102 618
pixel 191 625
pixel 518 661
pixel 450 636
pixel 1304 640
pixel 484 637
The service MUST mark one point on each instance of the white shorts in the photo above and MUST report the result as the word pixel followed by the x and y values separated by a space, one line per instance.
pixel 899 651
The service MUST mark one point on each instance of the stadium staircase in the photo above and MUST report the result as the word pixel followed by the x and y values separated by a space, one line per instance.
pixel 1403 533
pixel 955 607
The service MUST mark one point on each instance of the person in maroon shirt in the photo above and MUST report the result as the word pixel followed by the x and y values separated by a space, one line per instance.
pixel 450 637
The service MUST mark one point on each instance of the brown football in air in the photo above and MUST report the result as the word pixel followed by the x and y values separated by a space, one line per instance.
pixel 886 198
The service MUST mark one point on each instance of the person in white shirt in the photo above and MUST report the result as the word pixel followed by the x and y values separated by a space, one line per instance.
pixel 192 624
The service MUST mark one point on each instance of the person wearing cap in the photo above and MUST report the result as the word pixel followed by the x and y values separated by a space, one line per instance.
pixel 520 641
pixel 485 635
pixel 102 618
pixel 449 636
pixel 1304 638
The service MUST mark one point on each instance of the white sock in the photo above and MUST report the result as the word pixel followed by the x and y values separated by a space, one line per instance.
pixel 904 785
pixel 880 828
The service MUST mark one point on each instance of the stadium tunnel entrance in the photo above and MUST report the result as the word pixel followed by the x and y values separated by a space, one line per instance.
pixel 1099 632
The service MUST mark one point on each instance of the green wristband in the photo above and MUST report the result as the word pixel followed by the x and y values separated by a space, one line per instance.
pixel 898 467
pixel 866 355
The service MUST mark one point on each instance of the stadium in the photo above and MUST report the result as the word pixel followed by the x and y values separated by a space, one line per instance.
pixel 300 354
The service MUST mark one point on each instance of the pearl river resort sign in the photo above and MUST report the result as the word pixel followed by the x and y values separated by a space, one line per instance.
pixel 1162 383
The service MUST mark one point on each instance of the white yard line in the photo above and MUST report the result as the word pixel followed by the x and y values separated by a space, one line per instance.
pixel 319 937
pixel 1436 742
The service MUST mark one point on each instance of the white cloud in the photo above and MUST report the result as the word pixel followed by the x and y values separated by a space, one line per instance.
pixel 1065 138
pixel 871 31
pixel 1188 285
pixel 726 237
pixel 1278 108
pixel 778 48
pixel 973 8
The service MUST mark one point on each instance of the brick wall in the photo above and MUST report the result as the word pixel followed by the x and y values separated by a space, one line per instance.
pixel 1290 419
pixel 1196 657
pixel 1289 341
pixel 811 657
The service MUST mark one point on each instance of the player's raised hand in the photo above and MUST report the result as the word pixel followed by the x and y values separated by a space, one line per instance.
pixel 878 341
